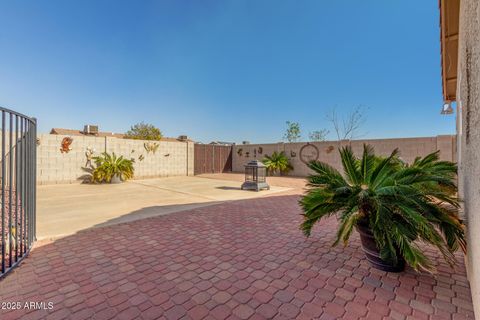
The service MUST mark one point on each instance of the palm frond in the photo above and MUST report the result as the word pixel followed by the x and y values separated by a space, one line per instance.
pixel 350 165
pixel 383 170
pixel 368 162
pixel 347 224
pixel 325 175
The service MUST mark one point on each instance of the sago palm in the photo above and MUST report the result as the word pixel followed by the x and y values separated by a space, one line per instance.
pixel 109 165
pixel 277 162
pixel 403 205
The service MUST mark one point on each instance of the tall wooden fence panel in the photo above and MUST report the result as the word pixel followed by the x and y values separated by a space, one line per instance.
pixel 212 158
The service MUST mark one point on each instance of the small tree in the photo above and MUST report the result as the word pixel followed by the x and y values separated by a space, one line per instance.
pixel 293 132
pixel 144 131
pixel 318 135
pixel 347 127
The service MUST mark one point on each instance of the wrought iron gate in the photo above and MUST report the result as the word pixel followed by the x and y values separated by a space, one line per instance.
pixel 18 187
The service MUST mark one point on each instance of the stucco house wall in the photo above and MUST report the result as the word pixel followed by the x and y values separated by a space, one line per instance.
pixel 410 148
pixel 468 130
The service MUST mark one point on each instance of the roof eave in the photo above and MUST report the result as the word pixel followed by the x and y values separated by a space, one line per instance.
pixel 449 28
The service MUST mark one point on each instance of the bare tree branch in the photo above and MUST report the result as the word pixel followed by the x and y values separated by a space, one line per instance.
pixel 348 127
pixel 318 135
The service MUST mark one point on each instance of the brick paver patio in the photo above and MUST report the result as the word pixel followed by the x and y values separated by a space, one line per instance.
pixel 237 260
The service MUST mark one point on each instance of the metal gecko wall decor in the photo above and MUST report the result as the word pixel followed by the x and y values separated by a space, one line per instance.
pixel 65 145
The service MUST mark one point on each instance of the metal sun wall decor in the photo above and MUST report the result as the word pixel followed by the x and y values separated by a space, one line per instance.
pixel 308 152
pixel 65 145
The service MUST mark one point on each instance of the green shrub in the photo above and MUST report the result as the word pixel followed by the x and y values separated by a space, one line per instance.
pixel 277 162
pixel 108 166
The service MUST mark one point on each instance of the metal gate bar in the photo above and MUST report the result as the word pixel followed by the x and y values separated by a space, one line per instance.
pixel 18 187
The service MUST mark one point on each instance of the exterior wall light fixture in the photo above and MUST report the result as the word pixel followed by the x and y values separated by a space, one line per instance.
pixel 447 108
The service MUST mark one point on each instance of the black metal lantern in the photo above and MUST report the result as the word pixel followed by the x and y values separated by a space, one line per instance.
pixel 255 176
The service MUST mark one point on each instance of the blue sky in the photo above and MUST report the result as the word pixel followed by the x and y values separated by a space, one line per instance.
pixel 224 70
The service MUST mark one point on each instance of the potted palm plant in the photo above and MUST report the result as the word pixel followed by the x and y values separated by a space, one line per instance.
pixel 111 168
pixel 277 162
pixel 394 206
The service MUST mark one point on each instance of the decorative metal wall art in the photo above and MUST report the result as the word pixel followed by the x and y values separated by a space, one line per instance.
pixel 151 147
pixel 329 149
pixel 309 152
pixel 89 155
pixel 65 145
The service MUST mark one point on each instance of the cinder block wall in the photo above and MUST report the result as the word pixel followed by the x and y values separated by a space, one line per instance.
pixel 172 158
pixel 409 148
pixel 176 158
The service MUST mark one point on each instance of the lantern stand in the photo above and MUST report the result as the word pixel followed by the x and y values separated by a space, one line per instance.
pixel 255 176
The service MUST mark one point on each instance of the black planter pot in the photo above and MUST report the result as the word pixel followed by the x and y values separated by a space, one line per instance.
pixel 372 253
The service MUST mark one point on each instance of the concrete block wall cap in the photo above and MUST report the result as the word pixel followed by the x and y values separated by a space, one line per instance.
pixel 446 136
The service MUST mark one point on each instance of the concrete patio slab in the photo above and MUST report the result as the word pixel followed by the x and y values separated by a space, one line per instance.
pixel 279 181
pixel 66 209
